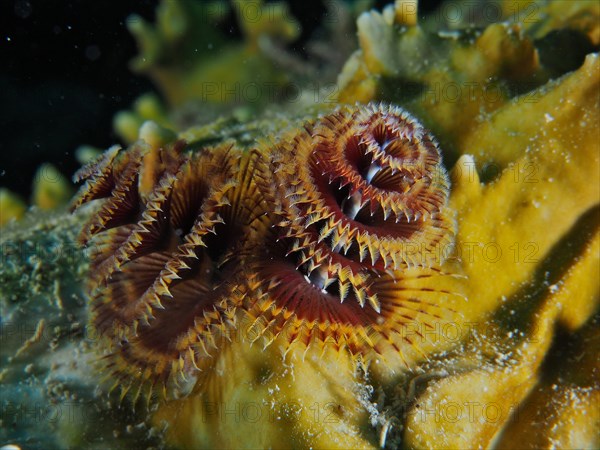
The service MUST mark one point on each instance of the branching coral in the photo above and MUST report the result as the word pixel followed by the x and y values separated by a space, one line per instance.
pixel 50 188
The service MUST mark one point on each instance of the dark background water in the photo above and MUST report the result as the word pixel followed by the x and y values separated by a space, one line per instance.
pixel 64 73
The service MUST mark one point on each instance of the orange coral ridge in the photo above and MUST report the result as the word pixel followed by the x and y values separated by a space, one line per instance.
pixel 190 247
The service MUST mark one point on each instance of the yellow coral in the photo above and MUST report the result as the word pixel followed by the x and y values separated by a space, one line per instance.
pixel 50 188
pixel 189 58
pixel 11 206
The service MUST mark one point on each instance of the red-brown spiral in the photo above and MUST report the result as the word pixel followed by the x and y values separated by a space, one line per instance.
pixel 362 227
pixel 161 280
